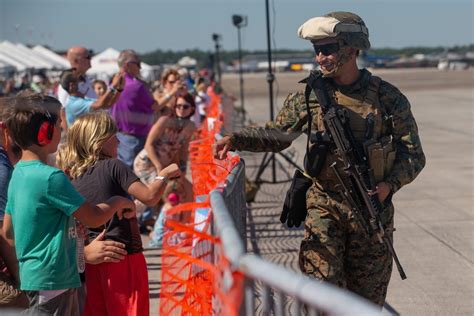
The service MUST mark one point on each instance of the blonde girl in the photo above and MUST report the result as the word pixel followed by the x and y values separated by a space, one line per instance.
pixel 90 157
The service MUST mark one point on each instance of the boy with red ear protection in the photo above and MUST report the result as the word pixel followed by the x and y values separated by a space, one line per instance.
pixel 46 130
pixel 42 204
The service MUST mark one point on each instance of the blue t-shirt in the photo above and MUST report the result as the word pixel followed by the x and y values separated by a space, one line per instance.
pixel 6 169
pixel 41 200
pixel 76 107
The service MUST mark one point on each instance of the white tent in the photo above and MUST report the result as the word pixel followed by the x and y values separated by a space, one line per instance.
pixel 187 61
pixel 18 64
pixel 104 65
pixel 49 64
pixel 6 67
pixel 60 61
pixel 25 55
pixel 22 57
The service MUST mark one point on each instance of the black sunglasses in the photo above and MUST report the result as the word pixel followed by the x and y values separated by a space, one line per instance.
pixel 183 106
pixel 89 55
pixel 326 49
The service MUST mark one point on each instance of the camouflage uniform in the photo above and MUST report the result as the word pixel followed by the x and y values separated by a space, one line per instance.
pixel 335 248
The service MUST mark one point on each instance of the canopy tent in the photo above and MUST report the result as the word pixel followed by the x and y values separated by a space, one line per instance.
pixel 22 57
pixel 104 65
pixel 48 54
pixel 25 55
pixel 10 60
pixel 6 67
pixel 49 64
pixel 187 62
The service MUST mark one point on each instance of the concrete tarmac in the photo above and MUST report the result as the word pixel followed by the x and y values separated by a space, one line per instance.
pixel 434 216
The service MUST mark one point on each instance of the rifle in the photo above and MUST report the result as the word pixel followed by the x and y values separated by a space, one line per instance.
pixel 366 207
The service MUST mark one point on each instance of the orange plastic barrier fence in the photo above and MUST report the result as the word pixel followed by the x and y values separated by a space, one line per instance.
pixel 185 292
pixel 194 273
pixel 195 276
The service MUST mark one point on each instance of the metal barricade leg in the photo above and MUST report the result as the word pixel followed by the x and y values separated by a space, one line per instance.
pixel 279 303
pixel 296 307
pixel 249 298
pixel 266 300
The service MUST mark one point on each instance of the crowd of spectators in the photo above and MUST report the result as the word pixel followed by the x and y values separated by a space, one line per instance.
pixel 86 166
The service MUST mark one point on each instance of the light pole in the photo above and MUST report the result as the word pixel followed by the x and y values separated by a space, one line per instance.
pixel 270 76
pixel 240 21
pixel 216 38
pixel 271 157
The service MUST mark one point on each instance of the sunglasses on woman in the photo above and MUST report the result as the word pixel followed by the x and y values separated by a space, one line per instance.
pixel 185 106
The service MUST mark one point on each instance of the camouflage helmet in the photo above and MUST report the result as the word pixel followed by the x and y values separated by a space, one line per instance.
pixel 346 26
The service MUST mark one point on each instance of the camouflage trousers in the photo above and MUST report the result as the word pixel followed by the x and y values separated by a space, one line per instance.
pixel 336 249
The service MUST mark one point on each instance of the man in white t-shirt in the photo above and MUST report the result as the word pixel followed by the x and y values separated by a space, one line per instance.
pixel 80 59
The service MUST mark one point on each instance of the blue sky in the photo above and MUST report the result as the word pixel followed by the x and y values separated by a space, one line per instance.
pixel 146 25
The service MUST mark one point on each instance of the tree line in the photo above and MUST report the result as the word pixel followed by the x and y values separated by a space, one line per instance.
pixel 206 58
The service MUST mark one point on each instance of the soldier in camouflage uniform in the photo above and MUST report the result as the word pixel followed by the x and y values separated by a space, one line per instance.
pixel 335 247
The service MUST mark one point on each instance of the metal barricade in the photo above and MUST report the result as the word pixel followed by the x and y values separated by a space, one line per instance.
pixel 234 198
pixel 278 285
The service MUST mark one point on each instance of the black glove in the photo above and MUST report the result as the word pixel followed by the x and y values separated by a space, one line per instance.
pixel 294 208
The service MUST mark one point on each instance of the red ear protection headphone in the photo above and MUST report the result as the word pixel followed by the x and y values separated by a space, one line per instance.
pixel 46 130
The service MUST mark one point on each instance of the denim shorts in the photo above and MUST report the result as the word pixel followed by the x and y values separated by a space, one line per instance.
pixel 129 147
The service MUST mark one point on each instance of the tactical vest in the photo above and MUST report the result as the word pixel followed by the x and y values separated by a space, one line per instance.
pixel 379 148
